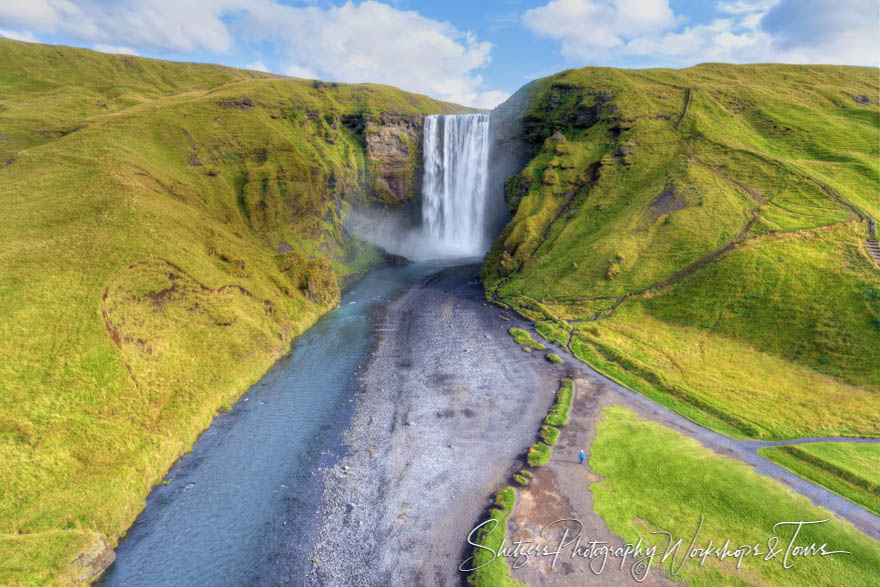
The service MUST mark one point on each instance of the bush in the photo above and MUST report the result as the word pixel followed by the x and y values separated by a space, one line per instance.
pixel 539 454
pixel 525 339
pixel 549 435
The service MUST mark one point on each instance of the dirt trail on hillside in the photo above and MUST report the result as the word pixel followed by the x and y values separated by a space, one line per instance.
pixel 448 406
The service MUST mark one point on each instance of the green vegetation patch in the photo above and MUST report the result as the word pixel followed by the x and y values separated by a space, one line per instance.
pixel 849 469
pixel 657 480
pixel 700 375
pixel 489 571
pixel 558 415
pixel 549 435
pixel 553 358
pixel 539 454
pixel 523 338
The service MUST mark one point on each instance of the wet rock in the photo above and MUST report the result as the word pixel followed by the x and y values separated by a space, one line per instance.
pixel 393 259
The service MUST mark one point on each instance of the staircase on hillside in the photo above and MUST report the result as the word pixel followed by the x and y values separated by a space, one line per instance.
pixel 874 249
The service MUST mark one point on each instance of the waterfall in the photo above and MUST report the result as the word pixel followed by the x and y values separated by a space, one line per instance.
pixel 454 187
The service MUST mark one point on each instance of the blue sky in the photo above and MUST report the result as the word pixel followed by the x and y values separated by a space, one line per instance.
pixel 474 53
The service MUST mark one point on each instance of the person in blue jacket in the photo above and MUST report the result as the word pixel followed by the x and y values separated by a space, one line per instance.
pixel 581 456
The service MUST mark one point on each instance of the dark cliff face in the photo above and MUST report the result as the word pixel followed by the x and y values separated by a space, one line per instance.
pixel 394 149
pixel 508 151
pixel 393 146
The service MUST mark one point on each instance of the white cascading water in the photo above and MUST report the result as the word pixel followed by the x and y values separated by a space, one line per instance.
pixel 456 158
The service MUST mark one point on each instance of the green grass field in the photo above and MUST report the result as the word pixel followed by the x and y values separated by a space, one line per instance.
pixel 713 259
pixel 140 289
pixel 655 479
pixel 851 470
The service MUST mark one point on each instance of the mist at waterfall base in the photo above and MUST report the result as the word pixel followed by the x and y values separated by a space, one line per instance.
pixel 462 208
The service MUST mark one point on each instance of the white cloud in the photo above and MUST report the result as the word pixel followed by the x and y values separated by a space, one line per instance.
pixel 160 25
pixel 742 7
pixel 715 41
pixel 490 99
pixel 365 42
pixel 373 42
pixel 789 31
pixel 117 49
pixel 18 36
pixel 825 31
pixel 590 28
pixel 257 65
pixel 294 70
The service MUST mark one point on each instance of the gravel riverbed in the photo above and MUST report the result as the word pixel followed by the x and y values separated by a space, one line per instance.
pixel 445 406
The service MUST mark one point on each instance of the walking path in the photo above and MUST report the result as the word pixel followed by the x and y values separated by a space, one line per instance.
pixel 603 391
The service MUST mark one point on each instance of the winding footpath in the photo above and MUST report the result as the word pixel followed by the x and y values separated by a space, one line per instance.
pixel 610 392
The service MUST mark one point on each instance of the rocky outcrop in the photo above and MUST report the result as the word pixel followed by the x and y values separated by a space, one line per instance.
pixel 394 148
pixel 91 562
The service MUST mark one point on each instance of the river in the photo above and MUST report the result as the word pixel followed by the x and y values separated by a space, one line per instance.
pixel 240 508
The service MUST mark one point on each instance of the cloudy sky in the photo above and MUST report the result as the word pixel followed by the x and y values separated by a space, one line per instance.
pixel 471 52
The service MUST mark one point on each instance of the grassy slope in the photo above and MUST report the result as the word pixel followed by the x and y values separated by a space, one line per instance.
pixel 848 469
pixel 140 291
pixel 716 264
pixel 655 479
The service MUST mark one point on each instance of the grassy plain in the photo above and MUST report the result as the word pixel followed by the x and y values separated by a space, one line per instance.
pixel 655 479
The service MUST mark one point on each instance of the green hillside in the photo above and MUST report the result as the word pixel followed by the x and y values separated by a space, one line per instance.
pixel 850 469
pixel 700 236
pixel 140 290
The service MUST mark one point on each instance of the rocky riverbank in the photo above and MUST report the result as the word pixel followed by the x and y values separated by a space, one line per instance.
pixel 445 408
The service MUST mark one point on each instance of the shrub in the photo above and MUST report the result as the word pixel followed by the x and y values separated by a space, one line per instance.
pixel 539 454
pixel 549 435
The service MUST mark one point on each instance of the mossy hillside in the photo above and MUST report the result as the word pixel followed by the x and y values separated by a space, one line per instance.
pixel 738 224
pixel 656 480
pixel 850 469
pixel 140 289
